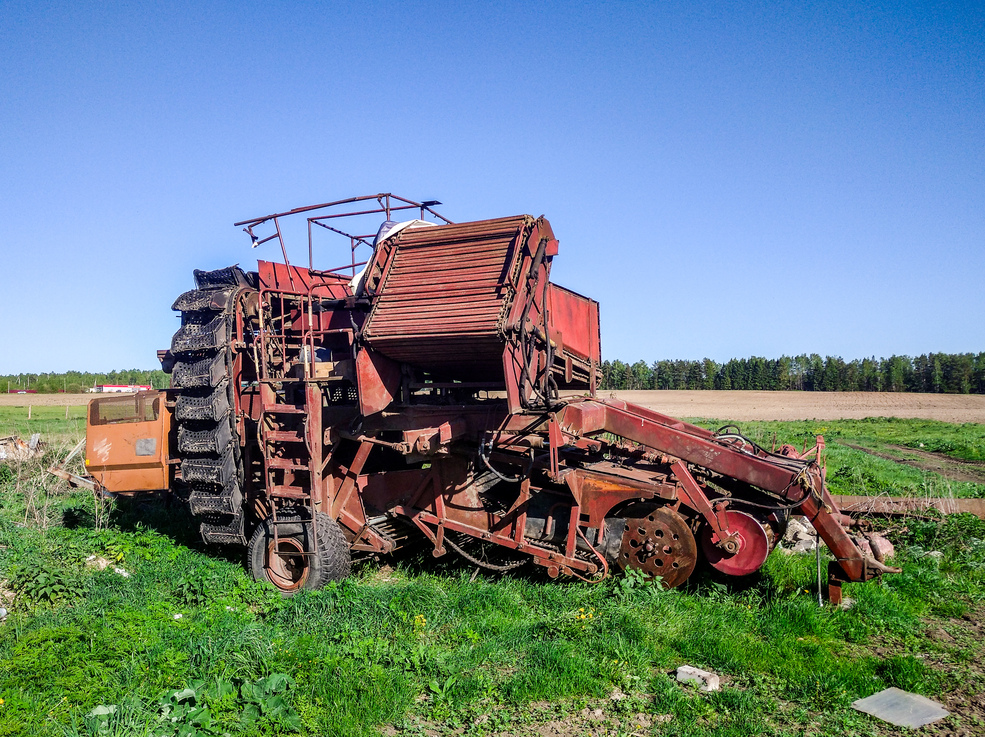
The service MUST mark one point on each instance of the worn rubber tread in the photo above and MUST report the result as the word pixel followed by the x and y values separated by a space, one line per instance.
pixel 229 276
pixel 204 503
pixel 208 444
pixel 193 338
pixel 196 300
pixel 197 406
pixel 224 529
pixel 210 472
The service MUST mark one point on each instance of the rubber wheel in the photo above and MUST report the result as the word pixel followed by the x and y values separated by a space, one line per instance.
pixel 283 564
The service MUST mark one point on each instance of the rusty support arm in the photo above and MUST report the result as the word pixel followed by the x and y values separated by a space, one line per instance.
pixel 792 478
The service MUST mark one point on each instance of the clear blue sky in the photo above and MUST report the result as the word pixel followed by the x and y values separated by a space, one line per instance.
pixel 727 179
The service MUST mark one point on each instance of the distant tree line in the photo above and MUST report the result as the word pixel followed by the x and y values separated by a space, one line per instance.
pixel 75 382
pixel 948 373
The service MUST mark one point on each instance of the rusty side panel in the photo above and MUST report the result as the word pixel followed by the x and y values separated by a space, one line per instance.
pixel 574 326
pixel 576 319
pixel 276 277
pixel 127 442
pixel 378 379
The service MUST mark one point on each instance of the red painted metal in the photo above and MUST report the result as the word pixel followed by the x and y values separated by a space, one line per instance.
pixel 754 544
pixel 377 379
pixel 442 292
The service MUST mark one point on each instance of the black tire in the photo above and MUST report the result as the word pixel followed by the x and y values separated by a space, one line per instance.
pixel 290 572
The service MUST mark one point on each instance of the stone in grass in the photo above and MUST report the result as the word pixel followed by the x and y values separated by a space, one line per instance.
pixel 701 678
pixel 902 708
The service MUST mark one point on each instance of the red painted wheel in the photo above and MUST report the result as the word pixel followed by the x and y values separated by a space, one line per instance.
pixel 286 567
pixel 755 544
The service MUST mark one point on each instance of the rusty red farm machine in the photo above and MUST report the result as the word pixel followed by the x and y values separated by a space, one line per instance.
pixel 443 390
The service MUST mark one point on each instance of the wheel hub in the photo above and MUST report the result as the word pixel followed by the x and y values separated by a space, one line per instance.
pixel 659 544
pixel 287 565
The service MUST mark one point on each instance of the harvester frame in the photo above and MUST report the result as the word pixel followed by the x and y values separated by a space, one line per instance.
pixel 448 393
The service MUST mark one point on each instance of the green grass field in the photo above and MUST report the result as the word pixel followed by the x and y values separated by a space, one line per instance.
pixel 51 422
pixel 853 471
pixel 187 644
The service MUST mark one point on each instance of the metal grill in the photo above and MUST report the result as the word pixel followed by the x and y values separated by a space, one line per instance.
pixel 213 406
pixel 210 336
pixel 207 372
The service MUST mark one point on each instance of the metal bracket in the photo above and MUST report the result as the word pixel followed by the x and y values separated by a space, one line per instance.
pixel 714 513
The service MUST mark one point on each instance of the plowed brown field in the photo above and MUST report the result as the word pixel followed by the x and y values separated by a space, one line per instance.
pixel 738 406
pixel 744 406
pixel 45 400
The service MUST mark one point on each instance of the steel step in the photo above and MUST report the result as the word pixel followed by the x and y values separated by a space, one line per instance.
pixel 283 436
pixel 283 409
pixel 289 464
pixel 288 492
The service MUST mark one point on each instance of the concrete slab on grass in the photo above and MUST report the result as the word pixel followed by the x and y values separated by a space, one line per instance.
pixel 902 708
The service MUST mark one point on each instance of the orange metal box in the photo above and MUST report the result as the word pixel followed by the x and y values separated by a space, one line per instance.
pixel 127 442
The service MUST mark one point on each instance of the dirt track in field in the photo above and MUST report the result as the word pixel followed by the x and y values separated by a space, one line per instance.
pixel 744 406
pixel 738 406
pixel 952 468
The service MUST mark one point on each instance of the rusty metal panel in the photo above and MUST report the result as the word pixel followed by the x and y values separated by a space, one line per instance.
pixel 378 379
pixel 127 442
pixel 574 326
pixel 277 277
pixel 442 295
pixel 576 319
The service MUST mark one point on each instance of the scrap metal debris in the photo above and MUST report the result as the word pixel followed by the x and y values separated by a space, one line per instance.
pixel 902 708
pixel 907 506
pixel 12 448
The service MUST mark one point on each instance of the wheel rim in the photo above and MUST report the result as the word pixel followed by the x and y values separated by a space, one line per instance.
pixel 755 543
pixel 287 566
pixel 659 544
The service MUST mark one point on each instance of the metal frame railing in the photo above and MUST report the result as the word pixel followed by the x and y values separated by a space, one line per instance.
pixel 387 204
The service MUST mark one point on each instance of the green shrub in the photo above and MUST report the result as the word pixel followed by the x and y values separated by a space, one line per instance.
pixel 40 584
